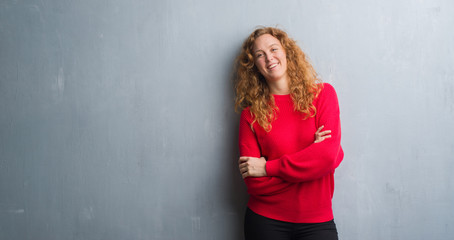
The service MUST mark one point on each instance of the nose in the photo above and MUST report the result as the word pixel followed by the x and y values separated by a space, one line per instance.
pixel 269 57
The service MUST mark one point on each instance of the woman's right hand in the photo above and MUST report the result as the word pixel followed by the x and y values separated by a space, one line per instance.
pixel 320 136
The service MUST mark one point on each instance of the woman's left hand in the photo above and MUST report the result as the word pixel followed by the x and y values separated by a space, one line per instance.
pixel 320 136
pixel 252 167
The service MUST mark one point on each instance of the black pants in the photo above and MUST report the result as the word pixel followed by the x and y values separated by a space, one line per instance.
pixel 257 227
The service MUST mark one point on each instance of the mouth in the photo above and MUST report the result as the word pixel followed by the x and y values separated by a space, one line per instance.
pixel 272 66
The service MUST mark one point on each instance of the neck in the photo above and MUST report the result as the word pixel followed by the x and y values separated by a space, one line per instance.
pixel 279 87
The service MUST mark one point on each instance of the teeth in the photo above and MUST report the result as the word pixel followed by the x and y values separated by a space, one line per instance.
pixel 272 66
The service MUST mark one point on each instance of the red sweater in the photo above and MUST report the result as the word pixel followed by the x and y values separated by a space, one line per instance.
pixel 299 184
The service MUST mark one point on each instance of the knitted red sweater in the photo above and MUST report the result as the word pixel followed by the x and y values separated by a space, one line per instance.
pixel 300 182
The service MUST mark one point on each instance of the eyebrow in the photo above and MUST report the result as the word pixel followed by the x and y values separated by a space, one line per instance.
pixel 268 46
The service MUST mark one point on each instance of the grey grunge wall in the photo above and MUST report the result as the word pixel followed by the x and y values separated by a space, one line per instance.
pixel 117 120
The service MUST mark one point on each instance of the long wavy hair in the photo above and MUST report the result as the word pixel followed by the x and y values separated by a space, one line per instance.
pixel 252 90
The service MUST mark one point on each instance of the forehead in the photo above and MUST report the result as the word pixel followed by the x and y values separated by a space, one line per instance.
pixel 264 42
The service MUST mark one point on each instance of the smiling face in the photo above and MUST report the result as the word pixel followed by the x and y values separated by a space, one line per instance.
pixel 270 58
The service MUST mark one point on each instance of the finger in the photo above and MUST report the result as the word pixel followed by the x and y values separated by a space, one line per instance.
pixel 319 129
pixel 244 164
pixel 243 159
pixel 324 137
pixel 242 167
pixel 243 170
pixel 325 132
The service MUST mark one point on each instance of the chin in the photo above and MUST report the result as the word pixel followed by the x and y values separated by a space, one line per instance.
pixel 275 77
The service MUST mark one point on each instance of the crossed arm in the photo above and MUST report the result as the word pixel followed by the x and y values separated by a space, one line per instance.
pixel 256 167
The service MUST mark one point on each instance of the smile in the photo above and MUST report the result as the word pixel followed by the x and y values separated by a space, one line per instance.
pixel 272 66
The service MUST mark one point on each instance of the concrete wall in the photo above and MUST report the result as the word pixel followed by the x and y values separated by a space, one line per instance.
pixel 117 121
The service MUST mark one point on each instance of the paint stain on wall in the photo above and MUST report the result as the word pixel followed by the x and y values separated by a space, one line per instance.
pixel 16 211
pixel 195 224
pixel 87 213
pixel 58 86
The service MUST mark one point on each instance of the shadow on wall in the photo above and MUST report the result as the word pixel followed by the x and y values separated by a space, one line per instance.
pixel 236 189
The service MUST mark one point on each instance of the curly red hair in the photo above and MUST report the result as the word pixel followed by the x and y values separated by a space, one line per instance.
pixel 252 90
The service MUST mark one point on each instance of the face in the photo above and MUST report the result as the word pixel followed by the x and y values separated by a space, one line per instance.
pixel 270 58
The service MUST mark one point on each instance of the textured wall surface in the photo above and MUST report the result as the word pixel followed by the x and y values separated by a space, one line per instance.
pixel 117 121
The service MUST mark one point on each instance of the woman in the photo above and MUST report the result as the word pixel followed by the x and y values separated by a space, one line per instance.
pixel 288 171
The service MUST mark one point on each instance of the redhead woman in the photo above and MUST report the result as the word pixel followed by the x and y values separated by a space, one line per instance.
pixel 289 140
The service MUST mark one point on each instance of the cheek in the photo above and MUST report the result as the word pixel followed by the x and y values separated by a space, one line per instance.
pixel 284 59
pixel 259 63
pixel 283 56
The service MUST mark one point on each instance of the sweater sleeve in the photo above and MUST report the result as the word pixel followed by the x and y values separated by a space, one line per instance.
pixel 249 147
pixel 318 159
